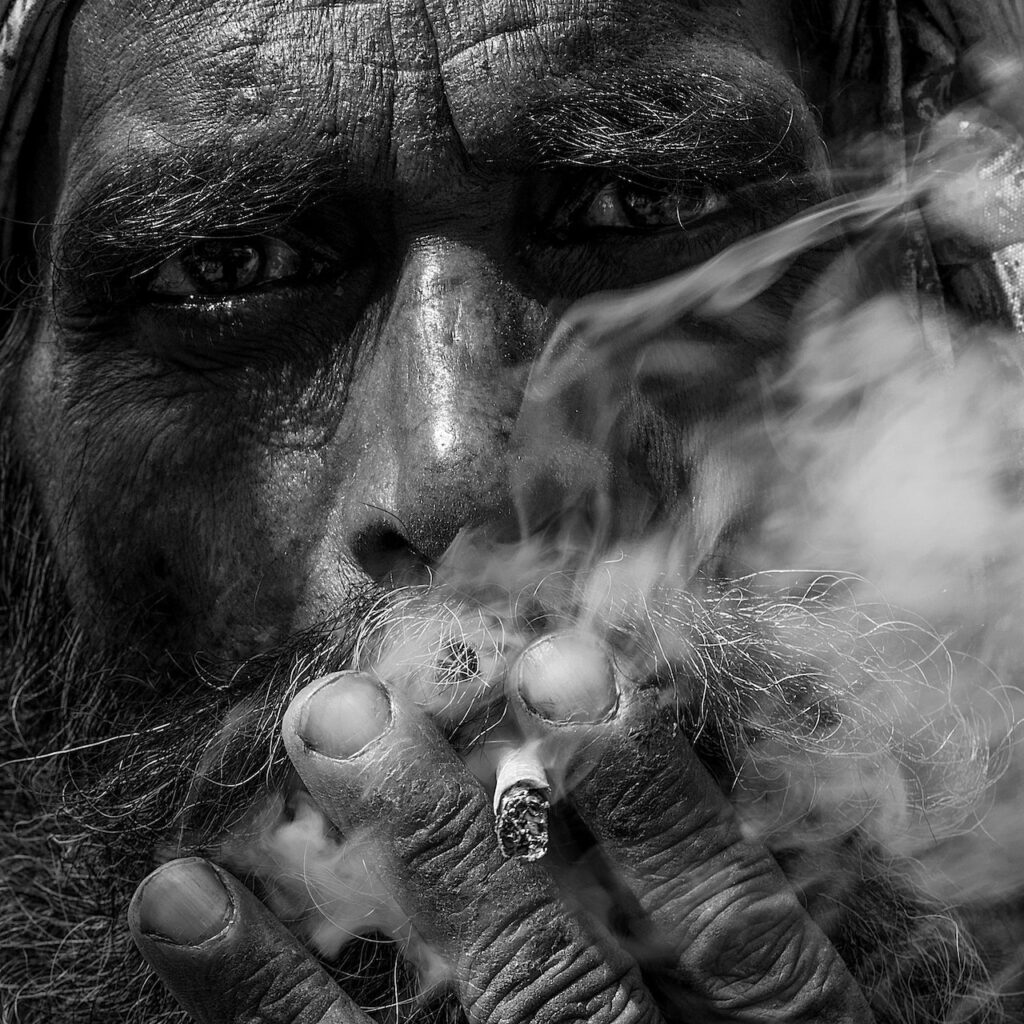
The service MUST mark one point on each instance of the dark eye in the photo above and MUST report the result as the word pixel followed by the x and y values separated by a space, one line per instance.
pixel 217 267
pixel 626 206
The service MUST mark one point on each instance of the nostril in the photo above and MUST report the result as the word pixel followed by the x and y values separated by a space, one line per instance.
pixel 388 557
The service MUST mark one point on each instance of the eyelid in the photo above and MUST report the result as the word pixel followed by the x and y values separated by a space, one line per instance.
pixel 601 201
pixel 299 244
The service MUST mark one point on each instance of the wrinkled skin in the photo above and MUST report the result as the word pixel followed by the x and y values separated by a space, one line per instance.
pixel 227 468
pixel 280 445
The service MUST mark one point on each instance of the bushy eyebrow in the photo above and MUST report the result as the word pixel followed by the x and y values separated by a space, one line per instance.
pixel 695 126
pixel 687 126
pixel 149 204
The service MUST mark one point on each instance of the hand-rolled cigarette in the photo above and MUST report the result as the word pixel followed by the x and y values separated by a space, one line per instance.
pixel 521 801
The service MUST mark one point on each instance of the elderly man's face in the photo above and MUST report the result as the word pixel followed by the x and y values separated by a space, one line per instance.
pixel 305 254
pixel 297 261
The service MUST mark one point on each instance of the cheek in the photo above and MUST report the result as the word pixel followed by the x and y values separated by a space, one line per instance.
pixel 166 513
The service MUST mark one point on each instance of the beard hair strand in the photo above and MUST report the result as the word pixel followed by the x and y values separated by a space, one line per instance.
pixel 101 774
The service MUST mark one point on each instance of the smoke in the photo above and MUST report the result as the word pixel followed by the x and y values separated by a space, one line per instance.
pixel 803 522
pixel 821 588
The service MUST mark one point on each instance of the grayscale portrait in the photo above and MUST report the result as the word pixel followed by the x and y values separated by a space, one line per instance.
pixel 511 511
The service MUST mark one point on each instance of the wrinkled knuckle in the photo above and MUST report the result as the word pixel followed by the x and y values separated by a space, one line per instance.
pixel 764 938
pixel 732 932
pixel 646 808
pixel 800 975
pixel 625 802
pixel 710 900
pixel 628 820
pixel 667 891
pixel 453 840
pixel 267 992
pixel 759 955
pixel 571 982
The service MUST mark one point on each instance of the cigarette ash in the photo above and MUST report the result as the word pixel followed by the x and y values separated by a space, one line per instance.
pixel 521 822
pixel 521 802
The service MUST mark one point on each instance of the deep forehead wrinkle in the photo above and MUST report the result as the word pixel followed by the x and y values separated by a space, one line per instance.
pixel 265 65
pixel 692 107
pixel 168 9
pixel 149 201
pixel 242 66
pixel 460 27
pixel 445 27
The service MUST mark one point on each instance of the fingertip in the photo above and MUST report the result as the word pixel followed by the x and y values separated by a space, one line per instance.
pixel 184 902
pixel 340 716
pixel 221 953
pixel 566 678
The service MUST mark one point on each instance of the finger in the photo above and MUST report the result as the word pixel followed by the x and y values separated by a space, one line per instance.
pixel 225 957
pixel 739 939
pixel 373 761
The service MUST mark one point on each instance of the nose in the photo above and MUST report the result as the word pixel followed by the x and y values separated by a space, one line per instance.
pixel 440 397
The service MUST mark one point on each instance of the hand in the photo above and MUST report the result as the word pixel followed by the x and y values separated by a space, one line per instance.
pixel 733 939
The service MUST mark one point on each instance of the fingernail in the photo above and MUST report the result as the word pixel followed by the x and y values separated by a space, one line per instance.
pixel 348 713
pixel 183 902
pixel 566 677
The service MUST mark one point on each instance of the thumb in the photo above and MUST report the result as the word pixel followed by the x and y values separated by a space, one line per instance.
pixel 225 957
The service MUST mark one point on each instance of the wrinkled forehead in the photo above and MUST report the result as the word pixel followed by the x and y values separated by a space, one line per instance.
pixel 321 69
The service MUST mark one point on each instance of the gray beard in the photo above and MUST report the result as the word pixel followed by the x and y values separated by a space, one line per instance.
pixel 82 818
pixel 98 772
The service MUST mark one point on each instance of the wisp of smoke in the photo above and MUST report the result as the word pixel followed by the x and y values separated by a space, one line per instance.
pixel 810 654
pixel 793 559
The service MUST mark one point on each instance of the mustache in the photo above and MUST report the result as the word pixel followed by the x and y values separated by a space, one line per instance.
pixel 175 759
pixel 786 691
pixel 787 696
pixel 787 688
pixel 127 773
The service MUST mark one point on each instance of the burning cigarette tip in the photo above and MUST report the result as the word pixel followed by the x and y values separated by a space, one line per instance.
pixel 522 822
pixel 521 801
